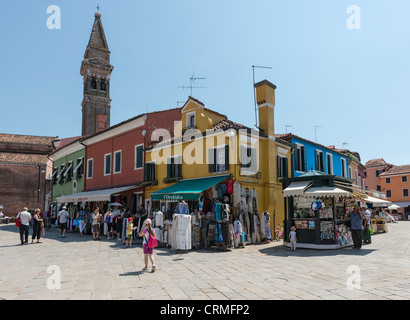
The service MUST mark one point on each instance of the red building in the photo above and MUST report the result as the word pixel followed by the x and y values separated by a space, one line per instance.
pixel 115 157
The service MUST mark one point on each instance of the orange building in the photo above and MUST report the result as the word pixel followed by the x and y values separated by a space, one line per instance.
pixel 395 183
pixel 372 174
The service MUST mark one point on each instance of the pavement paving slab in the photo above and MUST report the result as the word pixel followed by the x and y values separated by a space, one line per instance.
pixel 107 270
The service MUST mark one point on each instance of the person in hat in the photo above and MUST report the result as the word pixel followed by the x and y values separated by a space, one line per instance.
pixel 148 252
pixel 63 218
pixel 367 215
pixel 130 229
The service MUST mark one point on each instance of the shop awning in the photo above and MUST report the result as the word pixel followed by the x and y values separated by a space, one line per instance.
pixel 296 188
pixel 189 189
pixel 326 191
pixel 90 196
pixel 377 202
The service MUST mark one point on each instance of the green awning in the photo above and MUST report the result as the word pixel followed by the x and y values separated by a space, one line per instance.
pixel 187 189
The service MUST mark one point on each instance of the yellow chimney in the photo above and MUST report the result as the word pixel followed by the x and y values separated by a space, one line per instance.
pixel 265 98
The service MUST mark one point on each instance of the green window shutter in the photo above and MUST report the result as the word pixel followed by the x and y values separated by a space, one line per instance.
pixel 279 166
pixel 303 152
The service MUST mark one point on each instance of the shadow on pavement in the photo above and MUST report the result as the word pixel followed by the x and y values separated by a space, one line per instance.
pixel 282 251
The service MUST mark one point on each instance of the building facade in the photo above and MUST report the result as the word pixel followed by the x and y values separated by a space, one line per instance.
pixel 308 155
pixel 24 172
pixel 208 150
pixel 395 184
pixel 374 168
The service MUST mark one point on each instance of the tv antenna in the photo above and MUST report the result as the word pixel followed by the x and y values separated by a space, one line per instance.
pixel 191 83
pixel 344 144
pixel 254 92
pixel 287 126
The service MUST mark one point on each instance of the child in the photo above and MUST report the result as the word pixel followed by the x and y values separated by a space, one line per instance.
pixel 130 229
pixel 148 252
pixel 293 239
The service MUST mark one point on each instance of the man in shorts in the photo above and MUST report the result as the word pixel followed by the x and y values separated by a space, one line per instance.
pixel 63 218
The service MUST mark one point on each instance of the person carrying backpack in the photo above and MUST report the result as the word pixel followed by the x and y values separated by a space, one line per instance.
pixel 148 243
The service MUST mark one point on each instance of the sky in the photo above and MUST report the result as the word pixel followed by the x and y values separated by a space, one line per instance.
pixel 335 85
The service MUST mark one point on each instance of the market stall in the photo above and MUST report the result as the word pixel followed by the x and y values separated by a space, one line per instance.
pixel 221 213
pixel 316 204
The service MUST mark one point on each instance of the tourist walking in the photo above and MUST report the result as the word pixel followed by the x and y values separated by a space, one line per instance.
pixel 145 233
pixel 37 224
pixel 81 216
pixel 356 227
pixel 96 224
pixel 108 222
pixel 63 218
pixel 130 232
pixel 293 238
pixel 367 215
pixel 25 218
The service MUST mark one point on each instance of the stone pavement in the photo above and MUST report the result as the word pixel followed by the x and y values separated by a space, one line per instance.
pixel 107 270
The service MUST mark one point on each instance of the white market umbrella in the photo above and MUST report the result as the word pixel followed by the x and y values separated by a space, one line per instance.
pixel 116 204
pixel 393 207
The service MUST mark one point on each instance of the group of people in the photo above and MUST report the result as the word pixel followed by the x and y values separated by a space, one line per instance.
pixel 146 231
pixel 25 220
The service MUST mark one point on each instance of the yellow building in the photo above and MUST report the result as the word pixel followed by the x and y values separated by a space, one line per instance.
pixel 206 149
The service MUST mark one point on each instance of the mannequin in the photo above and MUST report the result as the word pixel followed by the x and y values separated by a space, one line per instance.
pixel 183 207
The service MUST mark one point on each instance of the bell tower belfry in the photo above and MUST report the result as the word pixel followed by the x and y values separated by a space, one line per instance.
pixel 96 71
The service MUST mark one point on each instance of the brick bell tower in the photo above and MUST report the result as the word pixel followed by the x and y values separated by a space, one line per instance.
pixel 96 71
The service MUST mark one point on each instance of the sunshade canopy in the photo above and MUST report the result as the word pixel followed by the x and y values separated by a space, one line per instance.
pixel 90 196
pixel 190 189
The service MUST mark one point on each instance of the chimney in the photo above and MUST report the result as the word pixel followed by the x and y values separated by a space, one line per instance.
pixel 265 98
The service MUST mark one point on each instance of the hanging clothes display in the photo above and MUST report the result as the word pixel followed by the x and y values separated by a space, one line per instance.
pixel 158 225
pixel 181 232
pixel 266 230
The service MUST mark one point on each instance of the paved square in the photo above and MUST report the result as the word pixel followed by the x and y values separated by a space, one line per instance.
pixel 107 270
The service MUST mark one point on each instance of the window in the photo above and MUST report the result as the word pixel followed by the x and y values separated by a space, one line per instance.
pixel 329 160
pixel 61 174
pixel 103 86
pixel 54 176
pixel 343 163
pixel 319 161
pixel 356 175
pixel 387 180
pixel 174 167
pixel 405 192
pixel 300 158
pixel 378 172
pixel 139 157
pixel 68 174
pixel 282 167
pixel 90 168
pixel 79 169
pixel 249 160
pixel 388 193
pixel 190 120
pixel 219 159
pixel 404 179
pixel 117 161
pixel 107 164
pixel 150 172
pixel 93 84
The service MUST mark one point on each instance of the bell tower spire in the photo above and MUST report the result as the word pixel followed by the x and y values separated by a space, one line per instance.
pixel 96 71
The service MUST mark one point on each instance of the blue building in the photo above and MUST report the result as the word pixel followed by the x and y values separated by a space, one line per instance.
pixel 308 155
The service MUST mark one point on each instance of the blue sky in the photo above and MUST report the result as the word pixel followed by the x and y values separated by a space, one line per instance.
pixel 353 83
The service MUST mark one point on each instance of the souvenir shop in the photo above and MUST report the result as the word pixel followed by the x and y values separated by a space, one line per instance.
pixel 207 213
pixel 316 205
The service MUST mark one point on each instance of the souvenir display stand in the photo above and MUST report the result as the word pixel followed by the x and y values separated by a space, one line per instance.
pixel 378 225
pixel 316 204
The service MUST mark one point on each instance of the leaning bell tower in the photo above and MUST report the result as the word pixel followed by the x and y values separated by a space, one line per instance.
pixel 96 71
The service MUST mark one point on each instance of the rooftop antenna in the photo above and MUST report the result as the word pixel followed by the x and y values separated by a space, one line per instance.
pixel 254 92
pixel 315 132
pixel 191 81
pixel 287 126
pixel 344 144
pixel 98 7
